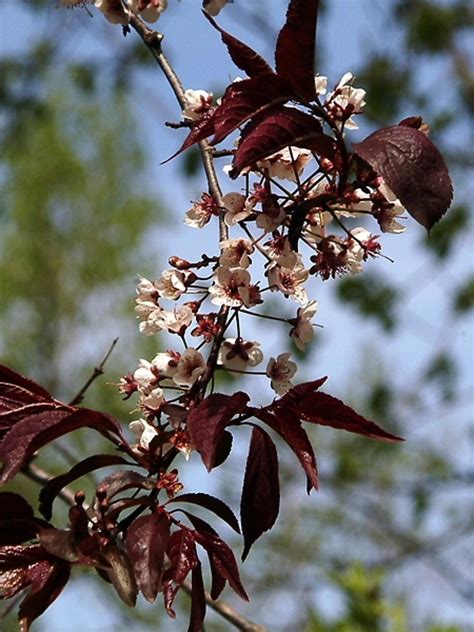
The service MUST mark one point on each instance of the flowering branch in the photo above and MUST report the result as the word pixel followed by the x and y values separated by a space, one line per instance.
pixel 138 531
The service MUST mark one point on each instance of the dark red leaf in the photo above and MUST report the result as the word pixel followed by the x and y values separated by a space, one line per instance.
pixel 260 500
pixel 212 504
pixel 224 448
pixel 121 574
pixel 56 484
pixel 12 377
pixel 14 506
pixel 291 431
pixel 245 99
pixel 326 410
pixel 46 587
pixel 206 422
pixel 183 558
pixel 59 543
pixel 299 392
pixel 295 49
pixel 218 582
pixel 125 479
pixel 19 556
pixel 242 55
pixel 221 558
pixel 198 601
pixel 37 430
pixel 413 168
pixel 13 397
pixel 147 541
pixel 203 128
pixel 276 129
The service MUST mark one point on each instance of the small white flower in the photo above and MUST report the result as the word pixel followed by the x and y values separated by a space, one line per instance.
pixel 144 432
pixel 286 164
pixel 144 376
pixel 387 217
pixel 346 101
pixel 172 283
pixel 152 400
pixel 303 331
pixel 321 84
pixel 191 366
pixel 235 253
pixel 166 363
pixel 236 208
pixel 280 371
pixel 289 280
pixel 280 250
pixel 149 10
pixel 146 291
pixel 229 283
pixel 236 354
pixel 197 103
pixel 201 212
pixel 174 320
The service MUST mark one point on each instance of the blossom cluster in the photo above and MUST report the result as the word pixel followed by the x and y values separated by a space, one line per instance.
pixel 178 301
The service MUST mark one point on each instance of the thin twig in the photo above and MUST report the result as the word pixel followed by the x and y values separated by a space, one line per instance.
pixel 98 371
pixel 35 473
pixel 227 612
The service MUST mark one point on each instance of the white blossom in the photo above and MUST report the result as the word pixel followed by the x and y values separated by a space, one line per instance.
pixel 144 432
pixel 229 285
pixel 174 320
pixel 236 354
pixel 172 283
pixel 235 253
pixel 201 212
pixel 191 366
pixel 236 208
pixel 280 372
pixel 346 101
pixel 321 84
pixel 166 363
pixel 289 280
pixel 286 164
pixel 387 217
pixel 303 332
pixel 197 103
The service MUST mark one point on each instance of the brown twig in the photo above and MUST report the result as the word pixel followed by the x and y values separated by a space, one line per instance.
pixel 98 371
pixel 227 612
pixel 35 473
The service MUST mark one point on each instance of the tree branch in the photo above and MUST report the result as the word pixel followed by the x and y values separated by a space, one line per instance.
pixel 227 612
pixel 98 370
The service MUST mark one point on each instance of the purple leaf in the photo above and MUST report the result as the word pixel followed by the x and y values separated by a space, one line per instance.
pixel 276 129
pixel 221 558
pixel 326 410
pixel 147 541
pixel 183 558
pixel 245 99
pixel 59 543
pixel 413 168
pixel 47 582
pixel 242 55
pixel 37 430
pixel 260 500
pixel 56 484
pixel 206 422
pixel 294 54
pixel 198 601
pixel 12 377
pixel 212 504
pixel 291 431
pixel 13 506
pixel 121 574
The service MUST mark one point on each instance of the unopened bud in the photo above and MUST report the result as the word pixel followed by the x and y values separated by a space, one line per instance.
pixel 80 497
pixel 178 263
